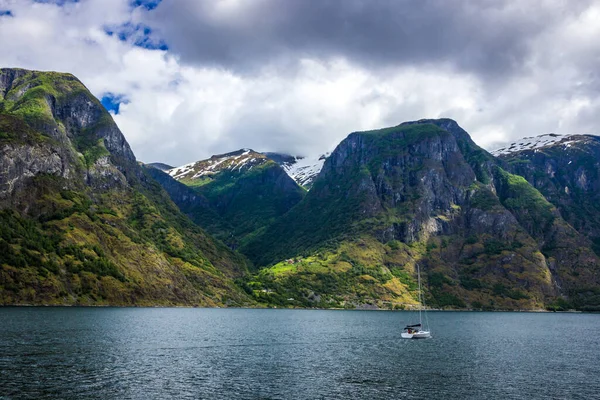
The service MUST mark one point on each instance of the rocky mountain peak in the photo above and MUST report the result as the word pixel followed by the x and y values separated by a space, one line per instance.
pixel 237 161
pixel 61 107
pixel 99 229
pixel 54 113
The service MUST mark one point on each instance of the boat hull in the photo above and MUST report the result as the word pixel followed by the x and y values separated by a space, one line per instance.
pixel 416 335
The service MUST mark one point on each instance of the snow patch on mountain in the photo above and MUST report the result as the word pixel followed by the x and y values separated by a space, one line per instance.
pixel 301 169
pixel 244 159
pixel 305 169
pixel 537 142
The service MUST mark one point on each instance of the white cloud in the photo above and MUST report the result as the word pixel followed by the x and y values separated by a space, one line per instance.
pixel 179 112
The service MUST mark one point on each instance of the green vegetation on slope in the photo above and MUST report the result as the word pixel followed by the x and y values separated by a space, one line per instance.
pixel 79 231
pixel 357 273
pixel 335 208
pixel 251 199
pixel 244 191
pixel 476 230
pixel 33 93
pixel 534 212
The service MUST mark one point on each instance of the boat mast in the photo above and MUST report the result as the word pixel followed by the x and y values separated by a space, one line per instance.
pixel 420 295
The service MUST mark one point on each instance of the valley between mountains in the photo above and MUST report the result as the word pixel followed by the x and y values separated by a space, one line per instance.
pixel 82 222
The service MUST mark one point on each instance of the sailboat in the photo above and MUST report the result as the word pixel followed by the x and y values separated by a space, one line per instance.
pixel 418 331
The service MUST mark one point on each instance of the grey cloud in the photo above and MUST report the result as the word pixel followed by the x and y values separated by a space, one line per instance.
pixel 504 69
pixel 489 38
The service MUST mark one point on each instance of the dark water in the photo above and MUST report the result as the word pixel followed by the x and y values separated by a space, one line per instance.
pixel 121 353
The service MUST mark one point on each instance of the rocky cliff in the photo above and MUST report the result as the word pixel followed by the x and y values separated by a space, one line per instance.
pixel 82 222
pixel 566 170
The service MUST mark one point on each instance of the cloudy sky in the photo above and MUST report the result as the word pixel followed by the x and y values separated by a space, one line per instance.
pixel 189 78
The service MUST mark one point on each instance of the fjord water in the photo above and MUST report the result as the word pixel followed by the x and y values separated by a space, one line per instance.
pixel 162 353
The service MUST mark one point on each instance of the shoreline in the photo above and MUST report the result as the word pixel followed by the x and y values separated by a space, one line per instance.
pixel 291 308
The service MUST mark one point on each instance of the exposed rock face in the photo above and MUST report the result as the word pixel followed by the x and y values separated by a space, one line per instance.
pixel 566 170
pixel 430 174
pixel 7 78
pixel 482 234
pixel 81 221
pixel 20 163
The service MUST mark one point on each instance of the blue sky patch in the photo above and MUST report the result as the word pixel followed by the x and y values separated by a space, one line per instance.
pixel 139 35
pixel 147 4
pixel 6 13
pixel 112 101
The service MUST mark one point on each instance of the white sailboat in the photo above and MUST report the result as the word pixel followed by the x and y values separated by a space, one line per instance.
pixel 418 331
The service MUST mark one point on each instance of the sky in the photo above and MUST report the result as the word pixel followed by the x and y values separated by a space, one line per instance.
pixel 185 79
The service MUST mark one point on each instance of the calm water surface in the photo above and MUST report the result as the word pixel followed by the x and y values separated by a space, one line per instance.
pixel 128 353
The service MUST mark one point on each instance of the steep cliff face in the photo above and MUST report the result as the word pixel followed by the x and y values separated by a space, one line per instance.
pixel 423 192
pixel 82 222
pixel 566 170
pixel 246 189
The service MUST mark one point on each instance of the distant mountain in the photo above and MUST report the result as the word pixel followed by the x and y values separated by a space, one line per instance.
pixel 81 222
pixel 423 193
pixel 204 170
pixel 245 188
pixel 566 170
pixel 160 166
pixel 535 142
pixel 303 170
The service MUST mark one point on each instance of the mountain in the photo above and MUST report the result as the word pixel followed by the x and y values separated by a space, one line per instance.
pixel 246 189
pixel 193 204
pixel 566 170
pixel 160 166
pixel 422 192
pixel 303 170
pixel 81 221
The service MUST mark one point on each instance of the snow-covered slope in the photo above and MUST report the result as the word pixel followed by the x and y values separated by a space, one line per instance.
pixel 241 160
pixel 537 142
pixel 301 169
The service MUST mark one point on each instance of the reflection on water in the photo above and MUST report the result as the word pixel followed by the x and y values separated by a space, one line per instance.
pixel 129 353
